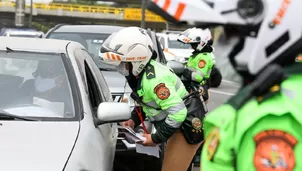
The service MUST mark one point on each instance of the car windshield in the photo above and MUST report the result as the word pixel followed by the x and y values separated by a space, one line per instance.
pixel 35 85
pixel 91 41
pixel 173 43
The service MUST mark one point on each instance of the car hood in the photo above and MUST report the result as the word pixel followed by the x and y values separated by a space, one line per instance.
pixel 36 146
pixel 116 82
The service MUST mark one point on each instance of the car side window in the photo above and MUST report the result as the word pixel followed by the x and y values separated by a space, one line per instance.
pixel 101 82
pixel 93 90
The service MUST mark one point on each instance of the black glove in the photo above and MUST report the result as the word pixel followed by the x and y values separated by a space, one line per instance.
pixel 187 73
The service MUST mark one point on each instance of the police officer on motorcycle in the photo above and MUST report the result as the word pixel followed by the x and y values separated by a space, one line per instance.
pixel 199 66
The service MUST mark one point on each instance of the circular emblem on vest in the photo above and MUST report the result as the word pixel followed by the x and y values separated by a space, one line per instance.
pixel 201 63
pixel 274 151
pixel 161 91
pixel 196 123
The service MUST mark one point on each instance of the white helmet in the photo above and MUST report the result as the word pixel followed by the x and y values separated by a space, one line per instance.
pixel 195 36
pixel 266 31
pixel 131 44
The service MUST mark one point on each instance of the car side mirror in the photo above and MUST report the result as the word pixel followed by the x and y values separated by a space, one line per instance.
pixel 176 66
pixel 109 112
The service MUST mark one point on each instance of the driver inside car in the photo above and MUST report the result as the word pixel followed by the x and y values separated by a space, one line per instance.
pixel 49 79
pixel 49 86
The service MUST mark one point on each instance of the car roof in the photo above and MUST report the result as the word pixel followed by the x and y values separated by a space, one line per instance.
pixel 34 44
pixel 88 28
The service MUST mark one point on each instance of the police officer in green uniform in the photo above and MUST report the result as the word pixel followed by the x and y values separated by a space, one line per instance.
pixel 200 64
pixel 259 129
pixel 157 89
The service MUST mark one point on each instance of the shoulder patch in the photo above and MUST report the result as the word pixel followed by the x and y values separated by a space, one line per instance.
pixel 274 150
pixel 150 72
pixel 202 63
pixel 161 91
pixel 213 142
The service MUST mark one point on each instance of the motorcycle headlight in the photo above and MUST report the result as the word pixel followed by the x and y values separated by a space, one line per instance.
pixel 127 99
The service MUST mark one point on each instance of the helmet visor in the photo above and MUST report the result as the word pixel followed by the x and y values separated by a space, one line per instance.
pixel 106 45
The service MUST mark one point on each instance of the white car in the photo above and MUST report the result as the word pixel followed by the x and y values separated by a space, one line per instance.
pixel 173 49
pixel 56 111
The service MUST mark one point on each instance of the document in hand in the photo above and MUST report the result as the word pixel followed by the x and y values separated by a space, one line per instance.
pixel 151 151
pixel 130 135
pixel 137 139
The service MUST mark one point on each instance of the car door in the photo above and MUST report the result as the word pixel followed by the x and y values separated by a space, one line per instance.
pixel 97 152
pixel 100 91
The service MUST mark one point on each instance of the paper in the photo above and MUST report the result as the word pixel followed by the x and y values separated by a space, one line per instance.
pixel 151 151
pixel 134 140
pixel 130 135
pixel 56 107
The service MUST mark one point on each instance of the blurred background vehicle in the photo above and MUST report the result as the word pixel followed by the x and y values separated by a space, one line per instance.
pixel 173 49
pixel 17 32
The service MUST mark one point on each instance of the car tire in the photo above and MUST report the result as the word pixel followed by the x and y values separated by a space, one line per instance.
pixel 215 78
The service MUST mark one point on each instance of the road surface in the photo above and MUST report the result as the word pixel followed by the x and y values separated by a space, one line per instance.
pixel 219 95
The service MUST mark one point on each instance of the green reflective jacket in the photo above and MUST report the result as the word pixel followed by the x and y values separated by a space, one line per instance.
pixel 163 91
pixel 201 64
pixel 267 134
